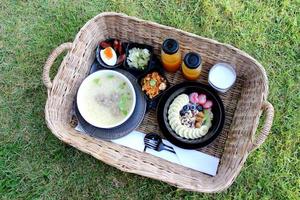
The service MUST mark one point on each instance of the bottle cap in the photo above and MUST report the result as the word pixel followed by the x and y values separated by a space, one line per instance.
pixel 192 60
pixel 170 46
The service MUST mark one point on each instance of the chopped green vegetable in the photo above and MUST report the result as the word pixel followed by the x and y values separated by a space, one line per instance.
pixel 123 104
pixel 138 58
pixel 97 81
pixel 110 76
pixel 207 117
pixel 152 82
pixel 122 85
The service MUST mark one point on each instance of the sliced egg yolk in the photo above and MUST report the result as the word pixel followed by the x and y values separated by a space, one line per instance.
pixel 108 53
pixel 109 56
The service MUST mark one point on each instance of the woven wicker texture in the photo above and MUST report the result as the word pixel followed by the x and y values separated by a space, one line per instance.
pixel 244 103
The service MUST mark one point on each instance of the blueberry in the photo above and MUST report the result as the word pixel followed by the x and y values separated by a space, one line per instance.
pixel 193 107
pixel 199 108
pixel 185 108
pixel 182 112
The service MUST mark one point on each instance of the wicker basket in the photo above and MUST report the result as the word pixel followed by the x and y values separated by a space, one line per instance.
pixel 243 103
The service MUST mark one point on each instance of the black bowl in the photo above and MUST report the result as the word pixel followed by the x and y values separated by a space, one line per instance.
pixel 100 61
pixel 187 88
pixel 134 71
pixel 156 67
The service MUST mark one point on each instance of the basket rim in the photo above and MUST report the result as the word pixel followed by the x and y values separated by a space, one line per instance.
pixel 61 132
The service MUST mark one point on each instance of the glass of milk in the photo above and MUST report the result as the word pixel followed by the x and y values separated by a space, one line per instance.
pixel 221 77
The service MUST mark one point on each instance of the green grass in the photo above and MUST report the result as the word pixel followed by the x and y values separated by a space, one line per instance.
pixel 36 165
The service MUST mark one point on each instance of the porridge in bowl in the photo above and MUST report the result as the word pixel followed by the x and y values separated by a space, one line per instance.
pixel 106 99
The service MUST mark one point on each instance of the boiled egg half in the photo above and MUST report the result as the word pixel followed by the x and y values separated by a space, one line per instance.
pixel 108 56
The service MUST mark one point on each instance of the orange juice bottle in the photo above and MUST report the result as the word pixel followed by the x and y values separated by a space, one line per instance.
pixel 191 66
pixel 170 55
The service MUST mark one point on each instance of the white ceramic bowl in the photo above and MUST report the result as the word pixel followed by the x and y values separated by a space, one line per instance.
pixel 82 96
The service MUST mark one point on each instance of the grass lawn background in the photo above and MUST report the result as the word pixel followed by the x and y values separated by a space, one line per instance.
pixel 34 164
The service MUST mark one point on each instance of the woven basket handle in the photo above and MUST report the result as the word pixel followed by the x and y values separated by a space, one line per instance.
pixel 55 53
pixel 261 137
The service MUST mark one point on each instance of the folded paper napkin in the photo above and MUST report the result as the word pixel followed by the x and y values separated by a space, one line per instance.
pixel 189 158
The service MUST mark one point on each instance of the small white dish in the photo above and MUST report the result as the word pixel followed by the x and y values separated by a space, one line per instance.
pixel 84 93
pixel 221 77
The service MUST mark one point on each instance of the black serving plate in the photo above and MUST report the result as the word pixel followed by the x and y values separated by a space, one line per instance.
pixel 129 125
pixel 187 88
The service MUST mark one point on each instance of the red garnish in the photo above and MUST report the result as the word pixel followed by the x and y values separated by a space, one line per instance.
pixel 194 97
pixel 120 49
pixel 121 58
pixel 202 99
pixel 116 45
pixel 104 44
pixel 208 104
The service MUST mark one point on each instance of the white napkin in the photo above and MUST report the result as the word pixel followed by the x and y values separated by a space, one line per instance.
pixel 133 140
pixel 197 160
pixel 189 158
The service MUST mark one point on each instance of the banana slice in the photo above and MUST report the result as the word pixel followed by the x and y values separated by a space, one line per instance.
pixel 197 133
pixel 182 98
pixel 176 107
pixel 186 132
pixel 174 118
pixel 172 111
pixel 181 102
pixel 204 130
pixel 185 97
pixel 192 133
pixel 177 130
pixel 180 131
pixel 174 122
